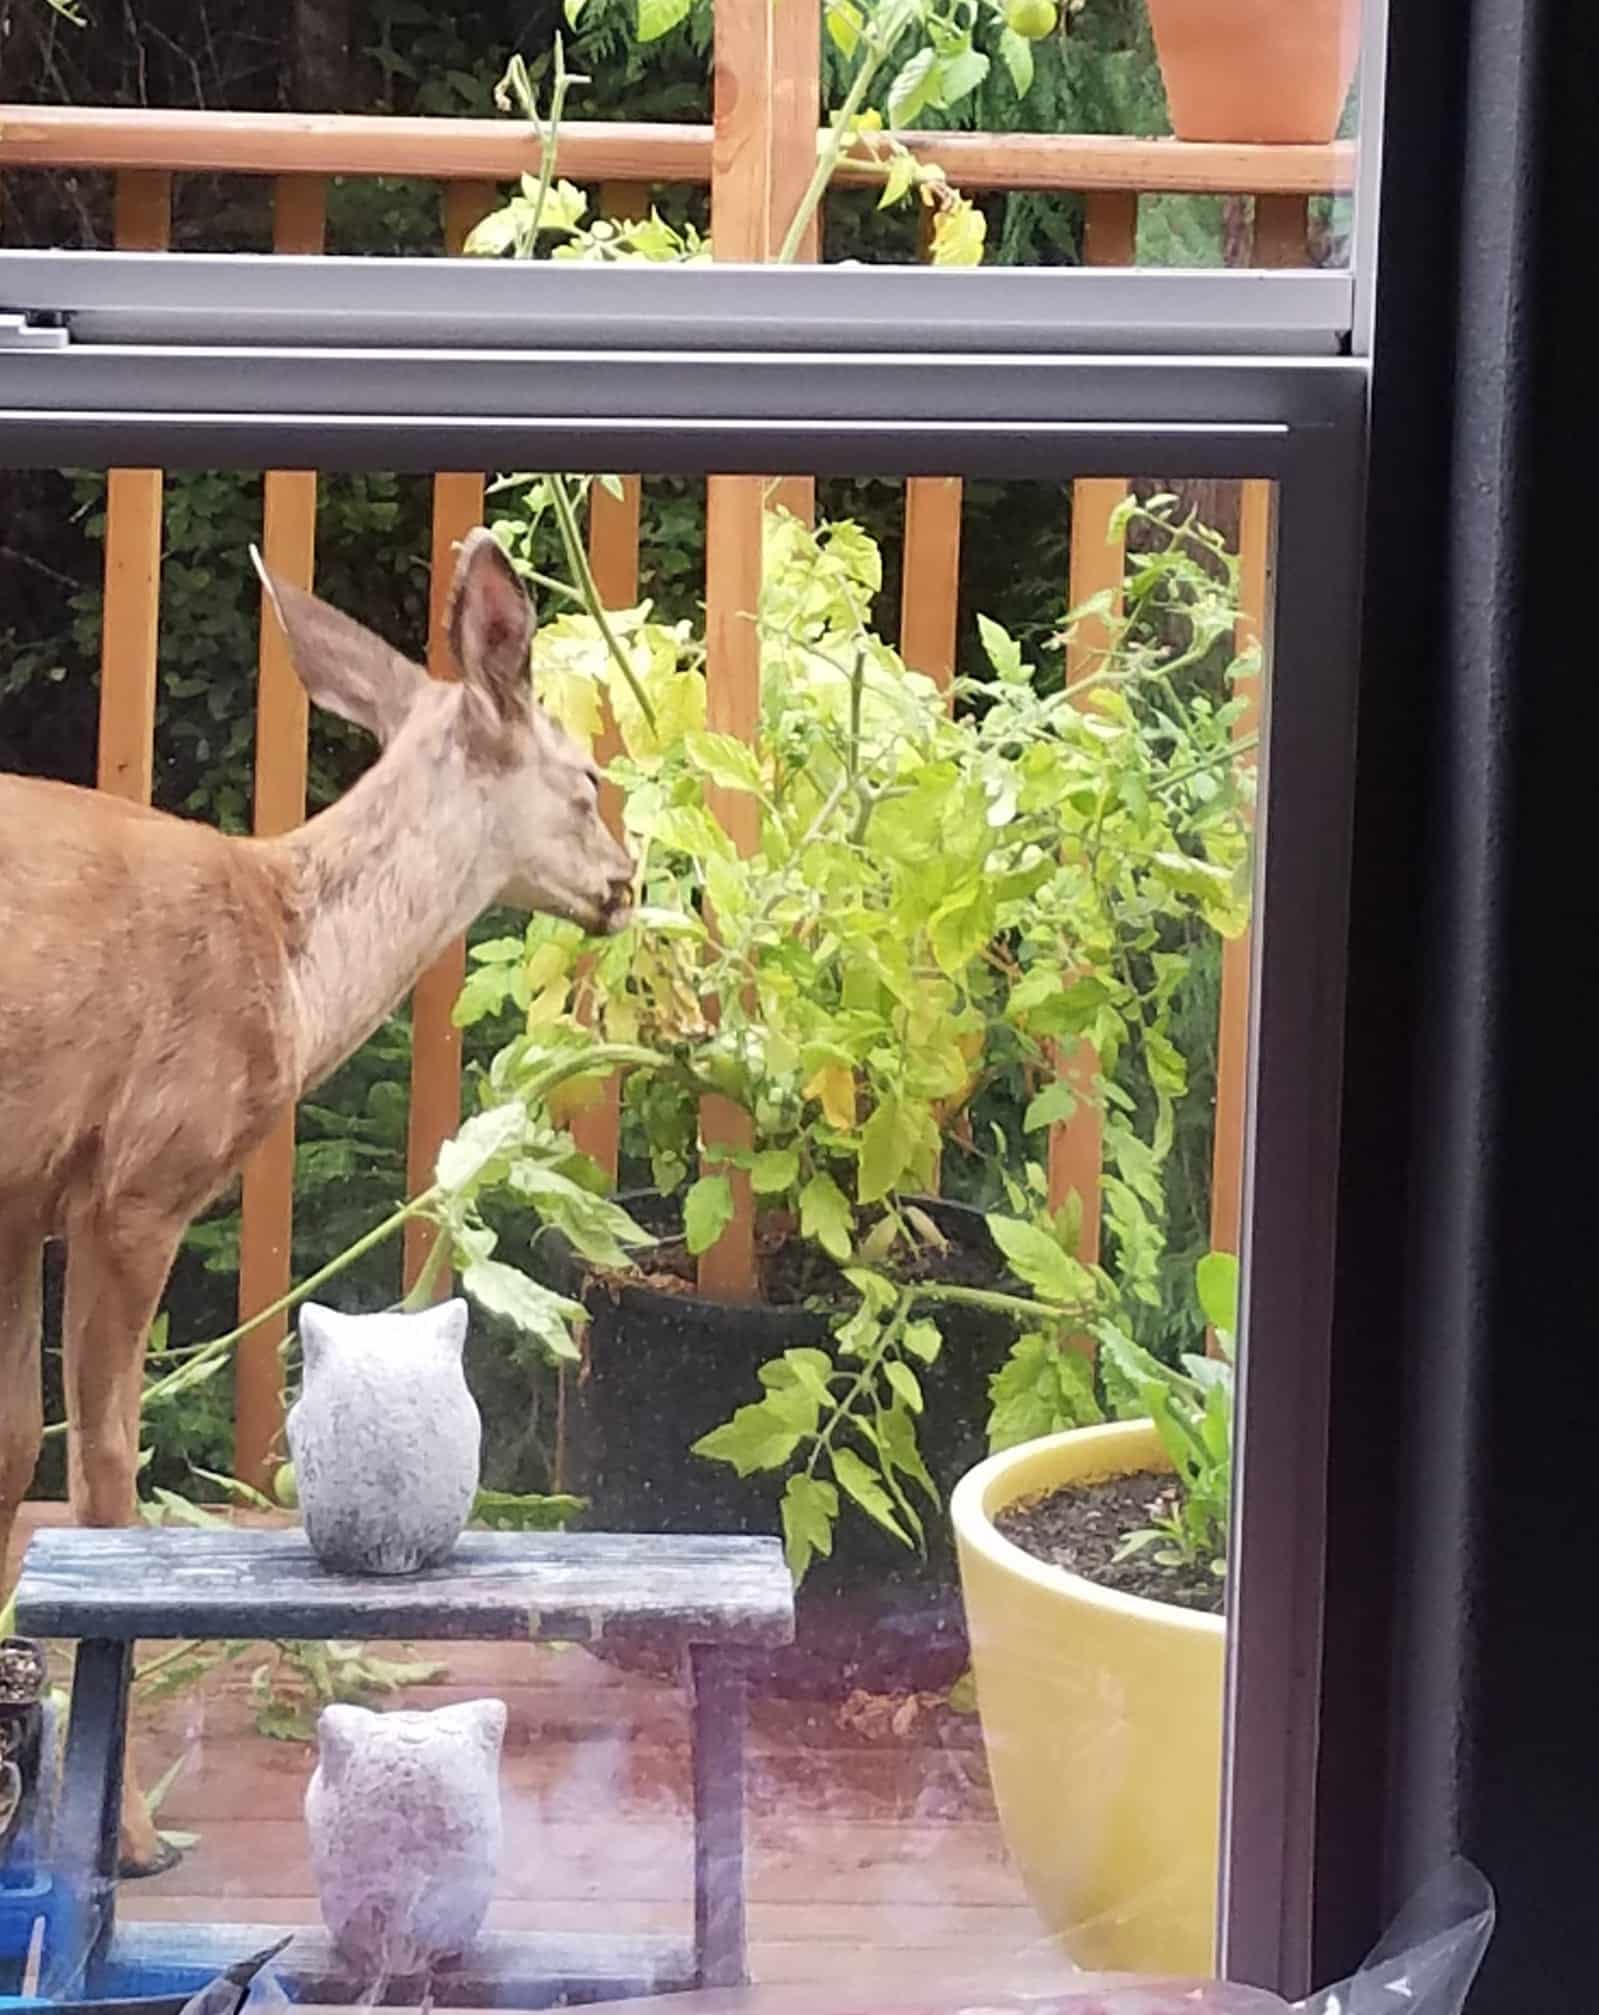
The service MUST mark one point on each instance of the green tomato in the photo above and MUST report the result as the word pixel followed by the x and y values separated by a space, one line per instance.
pixel 284 1487
pixel 1031 19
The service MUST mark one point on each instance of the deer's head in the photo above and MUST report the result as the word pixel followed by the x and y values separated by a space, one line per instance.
pixel 540 790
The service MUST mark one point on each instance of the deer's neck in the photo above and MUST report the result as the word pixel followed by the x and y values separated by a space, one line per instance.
pixel 382 881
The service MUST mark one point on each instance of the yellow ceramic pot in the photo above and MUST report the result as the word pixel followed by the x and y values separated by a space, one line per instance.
pixel 1102 1717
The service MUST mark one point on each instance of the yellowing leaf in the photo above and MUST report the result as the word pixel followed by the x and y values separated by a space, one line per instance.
pixel 825 1215
pixel 844 24
pixel 678 699
pixel 959 231
pixel 1040 1261
pixel 658 17
pixel 834 1086
pixel 572 698
pixel 492 235
pixel 545 1009
pixel 961 927
pixel 901 174
pixel 888 1141
pixel 577 1095
pixel 724 759
pixel 549 963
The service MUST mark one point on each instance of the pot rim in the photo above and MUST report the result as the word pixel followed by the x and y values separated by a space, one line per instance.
pixel 640 1292
pixel 974 1527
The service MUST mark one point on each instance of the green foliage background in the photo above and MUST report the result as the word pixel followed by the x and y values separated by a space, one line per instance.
pixel 372 535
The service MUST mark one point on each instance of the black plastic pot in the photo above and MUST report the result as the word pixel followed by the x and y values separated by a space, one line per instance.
pixel 661 1369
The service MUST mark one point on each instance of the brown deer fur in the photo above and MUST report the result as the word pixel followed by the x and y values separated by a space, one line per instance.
pixel 166 992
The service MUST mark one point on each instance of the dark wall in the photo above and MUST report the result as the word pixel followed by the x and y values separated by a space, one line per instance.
pixel 1529 1764
pixel 1461 1683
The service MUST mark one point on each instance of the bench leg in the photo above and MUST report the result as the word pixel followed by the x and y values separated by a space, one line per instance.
pixel 717 1686
pixel 84 1843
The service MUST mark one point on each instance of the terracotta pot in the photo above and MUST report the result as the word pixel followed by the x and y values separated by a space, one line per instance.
pixel 1273 71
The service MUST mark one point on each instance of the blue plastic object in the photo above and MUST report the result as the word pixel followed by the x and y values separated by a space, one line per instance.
pixel 139 2004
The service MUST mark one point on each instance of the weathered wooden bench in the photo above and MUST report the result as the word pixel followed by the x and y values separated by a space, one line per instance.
pixel 713 1599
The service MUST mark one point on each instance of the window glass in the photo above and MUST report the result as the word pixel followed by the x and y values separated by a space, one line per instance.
pixel 1012 132
pixel 896 1130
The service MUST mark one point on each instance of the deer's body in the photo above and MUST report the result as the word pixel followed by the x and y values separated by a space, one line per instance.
pixel 167 992
pixel 188 1044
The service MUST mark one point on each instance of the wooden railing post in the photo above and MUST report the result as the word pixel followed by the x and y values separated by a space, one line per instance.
pixel 266 1228
pixel 130 623
pixel 930 573
pixel 613 558
pixel 435 1040
pixel 1281 229
pixel 1076 1144
pixel 1232 1036
pixel 740 231
pixel 796 107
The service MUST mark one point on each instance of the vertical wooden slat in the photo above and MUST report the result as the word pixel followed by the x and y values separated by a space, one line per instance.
pixel 613 558
pixel 1110 229
pixel 614 521
pixel 435 1040
pixel 613 543
pixel 740 230
pixel 742 131
pixel 1282 231
pixel 128 633
pixel 929 595
pixel 930 583
pixel 796 96
pixel 1232 1049
pixel 1281 238
pixel 796 113
pixel 732 590
pixel 266 1231
pixel 1076 1143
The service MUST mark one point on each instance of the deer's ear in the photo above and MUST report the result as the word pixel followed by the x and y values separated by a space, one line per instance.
pixel 491 624
pixel 341 664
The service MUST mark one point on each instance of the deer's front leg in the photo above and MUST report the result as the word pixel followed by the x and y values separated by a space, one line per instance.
pixel 21 1396
pixel 117 1267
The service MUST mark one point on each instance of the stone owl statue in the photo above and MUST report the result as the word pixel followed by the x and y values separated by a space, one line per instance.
pixel 403 1813
pixel 385 1438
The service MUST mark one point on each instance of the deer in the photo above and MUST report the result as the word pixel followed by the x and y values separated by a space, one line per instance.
pixel 167 991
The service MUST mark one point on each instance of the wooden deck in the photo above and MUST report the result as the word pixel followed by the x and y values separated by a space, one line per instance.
pixel 874 1853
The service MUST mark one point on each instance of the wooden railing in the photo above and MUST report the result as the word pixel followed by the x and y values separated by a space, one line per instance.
pixel 755 156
